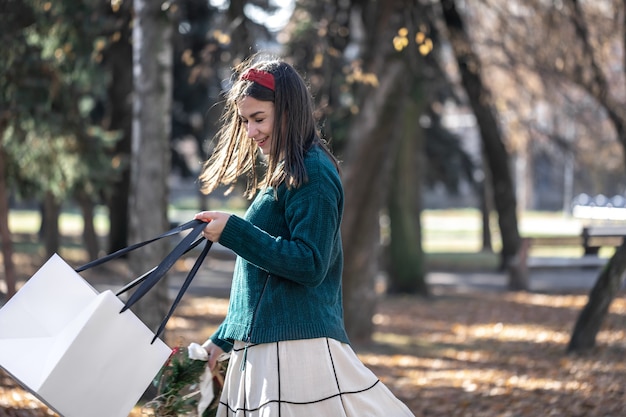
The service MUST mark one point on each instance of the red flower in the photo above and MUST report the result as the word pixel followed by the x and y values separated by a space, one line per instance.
pixel 169 360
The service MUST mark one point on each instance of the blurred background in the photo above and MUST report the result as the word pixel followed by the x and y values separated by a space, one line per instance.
pixel 470 131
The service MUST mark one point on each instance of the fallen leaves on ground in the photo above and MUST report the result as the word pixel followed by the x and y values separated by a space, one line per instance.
pixel 476 354
pixel 498 355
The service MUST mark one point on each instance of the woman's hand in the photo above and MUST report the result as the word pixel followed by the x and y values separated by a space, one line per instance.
pixel 214 352
pixel 216 222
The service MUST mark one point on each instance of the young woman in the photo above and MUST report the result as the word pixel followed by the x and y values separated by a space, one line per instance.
pixel 290 355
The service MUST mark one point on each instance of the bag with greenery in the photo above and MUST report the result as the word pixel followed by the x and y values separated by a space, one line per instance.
pixel 185 386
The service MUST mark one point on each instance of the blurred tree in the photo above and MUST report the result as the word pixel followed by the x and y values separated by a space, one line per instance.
pixel 198 46
pixel 428 153
pixel 115 55
pixel 247 36
pixel 604 291
pixel 192 44
pixel 544 112
pixel 386 74
pixel 52 149
pixel 14 18
pixel 356 77
pixel 585 69
pixel 197 62
pixel 406 270
pixel 5 233
pixel 325 44
pixel 414 41
pixel 206 41
pixel 483 106
pixel 335 45
pixel 574 97
pixel 150 150
pixel 614 274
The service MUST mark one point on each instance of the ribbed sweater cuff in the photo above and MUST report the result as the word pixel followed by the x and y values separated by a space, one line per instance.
pixel 224 345
pixel 231 236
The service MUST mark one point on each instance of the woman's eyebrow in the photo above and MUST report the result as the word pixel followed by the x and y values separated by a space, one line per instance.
pixel 253 115
pixel 256 113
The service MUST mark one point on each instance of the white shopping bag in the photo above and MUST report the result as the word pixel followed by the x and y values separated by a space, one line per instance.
pixel 71 346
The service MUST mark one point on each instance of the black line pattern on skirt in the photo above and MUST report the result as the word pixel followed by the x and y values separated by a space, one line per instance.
pixel 332 362
pixel 245 409
pixel 299 403
pixel 245 379
pixel 279 379
pixel 251 345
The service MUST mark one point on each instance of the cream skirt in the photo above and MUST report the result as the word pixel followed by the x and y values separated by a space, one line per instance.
pixel 304 378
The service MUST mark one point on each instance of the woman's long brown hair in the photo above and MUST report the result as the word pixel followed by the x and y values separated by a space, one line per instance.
pixel 293 133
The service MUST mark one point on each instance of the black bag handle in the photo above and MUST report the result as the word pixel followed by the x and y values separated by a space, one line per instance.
pixel 124 251
pixel 183 288
pixel 150 278
pixel 143 277
pixel 153 277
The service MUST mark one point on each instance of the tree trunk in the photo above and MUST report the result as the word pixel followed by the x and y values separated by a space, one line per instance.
pixel 150 157
pixel 118 60
pixel 364 196
pixel 90 237
pixel 5 233
pixel 50 224
pixel 604 291
pixel 406 269
pixel 243 42
pixel 497 157
pixel 118 212
pixel 486 206
pixel 589 76
pixel 368 155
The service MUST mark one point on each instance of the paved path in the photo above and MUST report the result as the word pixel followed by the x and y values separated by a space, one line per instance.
pixel 546 280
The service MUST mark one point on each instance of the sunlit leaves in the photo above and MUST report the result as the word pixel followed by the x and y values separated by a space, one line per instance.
pixel 222 37
pixel 187 57
pixel 358 76
pixel 497 354
pixel 318 60
pixel 459 354
pixel 425 44
pixel 401 41
pixel 99 45
pixel 116 5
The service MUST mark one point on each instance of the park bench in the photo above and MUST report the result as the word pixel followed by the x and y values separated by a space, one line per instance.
pixel 595 237
pixel 591 239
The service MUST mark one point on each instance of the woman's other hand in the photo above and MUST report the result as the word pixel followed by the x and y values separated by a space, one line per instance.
pixel 214 352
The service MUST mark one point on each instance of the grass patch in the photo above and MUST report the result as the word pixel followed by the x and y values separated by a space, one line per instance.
pixel 452 239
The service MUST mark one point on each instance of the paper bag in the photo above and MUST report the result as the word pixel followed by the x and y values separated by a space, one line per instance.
pixel 72 348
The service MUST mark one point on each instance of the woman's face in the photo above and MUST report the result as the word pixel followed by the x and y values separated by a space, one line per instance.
pixel 258 118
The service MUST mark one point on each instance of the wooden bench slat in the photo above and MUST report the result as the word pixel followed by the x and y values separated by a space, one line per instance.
pixel 556 240
pixel 591 240
pixel 606 231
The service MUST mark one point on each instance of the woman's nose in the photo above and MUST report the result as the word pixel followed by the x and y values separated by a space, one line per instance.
pixel 252 130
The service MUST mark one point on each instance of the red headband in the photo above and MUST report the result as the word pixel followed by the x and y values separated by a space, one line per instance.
pixel 261 77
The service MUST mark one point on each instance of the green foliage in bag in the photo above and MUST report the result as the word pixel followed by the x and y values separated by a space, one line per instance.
pixel 177 386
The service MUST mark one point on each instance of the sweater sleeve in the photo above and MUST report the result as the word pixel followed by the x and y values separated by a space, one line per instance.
pixel 312 214
pixel 225 345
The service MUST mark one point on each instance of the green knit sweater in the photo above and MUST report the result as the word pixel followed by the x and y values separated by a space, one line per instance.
pixel 287 278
